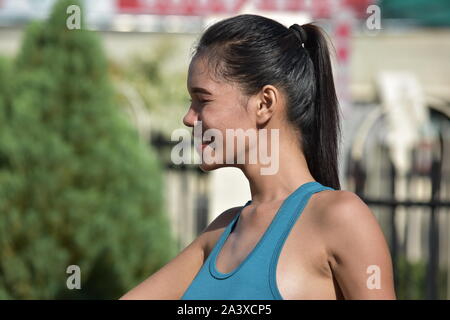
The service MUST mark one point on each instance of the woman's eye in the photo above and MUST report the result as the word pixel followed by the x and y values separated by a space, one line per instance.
pixel 201 101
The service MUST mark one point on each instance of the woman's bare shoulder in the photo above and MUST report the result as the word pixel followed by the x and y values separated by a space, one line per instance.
pixel 333 198
pixel 355 245
pixel 337 212
pixel 339 204
pixel 341 208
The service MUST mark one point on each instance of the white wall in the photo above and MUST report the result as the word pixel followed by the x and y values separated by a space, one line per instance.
pixel 228 188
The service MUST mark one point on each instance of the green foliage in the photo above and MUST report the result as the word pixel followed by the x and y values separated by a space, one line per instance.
pixel 76 184
pixel 442 284
pixel 160 86
pixel 411 279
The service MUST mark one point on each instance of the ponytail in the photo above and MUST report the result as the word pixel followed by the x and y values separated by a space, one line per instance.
pixel 320 145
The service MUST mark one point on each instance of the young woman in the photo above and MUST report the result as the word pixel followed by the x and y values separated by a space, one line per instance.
pixel 299 237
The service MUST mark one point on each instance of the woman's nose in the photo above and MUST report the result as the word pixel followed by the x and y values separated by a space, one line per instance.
pixel 190 117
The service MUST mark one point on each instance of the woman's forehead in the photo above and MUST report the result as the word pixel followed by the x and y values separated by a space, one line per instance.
pixel 201 81
pixel 198 75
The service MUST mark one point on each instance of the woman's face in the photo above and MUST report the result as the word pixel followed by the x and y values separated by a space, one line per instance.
pixel 220 106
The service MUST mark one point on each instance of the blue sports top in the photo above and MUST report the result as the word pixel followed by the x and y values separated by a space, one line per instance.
pixel 254 278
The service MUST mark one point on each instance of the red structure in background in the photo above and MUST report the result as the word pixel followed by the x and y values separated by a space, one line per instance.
pixel 317 8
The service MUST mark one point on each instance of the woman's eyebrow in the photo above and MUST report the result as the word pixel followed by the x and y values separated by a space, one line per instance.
pixel 200 90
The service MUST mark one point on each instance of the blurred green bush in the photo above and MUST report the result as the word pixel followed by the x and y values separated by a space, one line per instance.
pixel 77 187
pixel 160 88
pixel 412 280
pixel 411 277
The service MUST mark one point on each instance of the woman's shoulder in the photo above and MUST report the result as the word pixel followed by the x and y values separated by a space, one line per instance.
pixel 355 243
pixel 338 205
pixel 342 215
pixel 331 199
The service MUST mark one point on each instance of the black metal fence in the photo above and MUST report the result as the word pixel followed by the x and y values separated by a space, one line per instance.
pixel 435 175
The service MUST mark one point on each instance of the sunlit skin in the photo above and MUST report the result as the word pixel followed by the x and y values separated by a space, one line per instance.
pixel 330 247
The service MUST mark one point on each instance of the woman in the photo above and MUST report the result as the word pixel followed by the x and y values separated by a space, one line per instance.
pixel 299 237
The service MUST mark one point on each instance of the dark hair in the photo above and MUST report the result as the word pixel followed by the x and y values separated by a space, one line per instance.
pixel 252 51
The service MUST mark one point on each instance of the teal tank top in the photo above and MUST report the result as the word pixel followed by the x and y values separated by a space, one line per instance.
pixel 254 278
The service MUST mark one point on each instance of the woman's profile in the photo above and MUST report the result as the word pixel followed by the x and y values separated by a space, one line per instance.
pixel 300 236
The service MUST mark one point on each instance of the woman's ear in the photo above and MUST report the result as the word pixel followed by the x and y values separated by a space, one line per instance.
pixel 267 102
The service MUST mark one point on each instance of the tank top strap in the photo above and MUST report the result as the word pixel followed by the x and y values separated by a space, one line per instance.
pixel 289 212
pixel 226 233
pixel 230 226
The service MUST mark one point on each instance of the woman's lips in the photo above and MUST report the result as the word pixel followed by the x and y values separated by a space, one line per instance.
pixel 201 141
pixel 206 143
pixel 202 146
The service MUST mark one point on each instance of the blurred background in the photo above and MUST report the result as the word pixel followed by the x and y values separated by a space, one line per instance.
pixel 86 118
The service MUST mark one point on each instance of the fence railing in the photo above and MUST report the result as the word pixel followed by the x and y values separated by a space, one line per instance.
pixel 432 269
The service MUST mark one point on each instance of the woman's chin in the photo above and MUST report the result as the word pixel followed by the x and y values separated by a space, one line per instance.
pixel 209 167
pixel 205 166
pixel 212 160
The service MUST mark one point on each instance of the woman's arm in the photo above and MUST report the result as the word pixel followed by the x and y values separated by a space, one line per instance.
pixel 172 280
pixel 358 253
